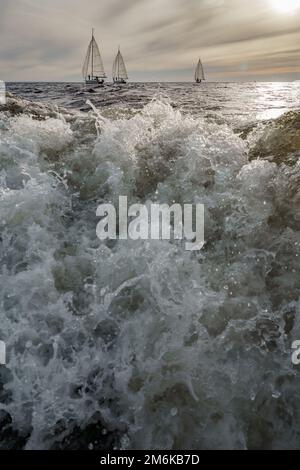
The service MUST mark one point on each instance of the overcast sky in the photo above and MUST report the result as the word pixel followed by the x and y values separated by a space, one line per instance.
pixel 160 39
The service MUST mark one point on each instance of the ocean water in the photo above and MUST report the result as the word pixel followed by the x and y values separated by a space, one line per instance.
pixel 143 345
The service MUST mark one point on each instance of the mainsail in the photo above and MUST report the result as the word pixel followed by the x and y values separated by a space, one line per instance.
pixel 199 73
pixel 119 69
pixel 93 65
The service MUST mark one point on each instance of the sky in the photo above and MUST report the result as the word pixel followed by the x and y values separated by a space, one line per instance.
pixel 161 40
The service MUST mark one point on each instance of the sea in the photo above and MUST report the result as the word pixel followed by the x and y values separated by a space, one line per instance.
pixel 141 344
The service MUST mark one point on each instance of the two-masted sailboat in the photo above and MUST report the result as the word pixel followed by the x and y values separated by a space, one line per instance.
pixel 119 72
pixel 199 72
pixel 93 70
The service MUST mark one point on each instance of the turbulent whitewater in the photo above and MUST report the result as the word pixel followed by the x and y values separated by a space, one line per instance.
pixel 142 345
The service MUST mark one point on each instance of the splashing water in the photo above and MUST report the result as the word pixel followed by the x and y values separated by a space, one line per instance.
pixel 168 349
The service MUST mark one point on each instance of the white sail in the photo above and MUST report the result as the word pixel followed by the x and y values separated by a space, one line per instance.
pixel 93 65
pixel 199 73
pixel 119 68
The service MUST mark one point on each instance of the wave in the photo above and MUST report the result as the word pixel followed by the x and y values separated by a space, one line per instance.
pixel 277 140
pixel 142 344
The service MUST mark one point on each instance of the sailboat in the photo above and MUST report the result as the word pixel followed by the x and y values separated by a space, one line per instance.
pixel 199 72
pixel 93 70
pixel 119 69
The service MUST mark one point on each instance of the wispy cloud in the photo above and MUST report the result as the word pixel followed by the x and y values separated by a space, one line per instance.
pixel 47 40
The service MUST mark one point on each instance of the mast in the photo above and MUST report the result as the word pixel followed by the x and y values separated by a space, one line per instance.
pixel 92 52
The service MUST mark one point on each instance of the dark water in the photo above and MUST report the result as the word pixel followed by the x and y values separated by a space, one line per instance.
pixel 142 344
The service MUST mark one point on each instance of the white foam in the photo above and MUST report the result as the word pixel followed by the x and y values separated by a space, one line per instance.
pixel 137 330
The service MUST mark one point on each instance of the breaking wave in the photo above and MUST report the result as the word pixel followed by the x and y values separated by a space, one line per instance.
pixel 142 344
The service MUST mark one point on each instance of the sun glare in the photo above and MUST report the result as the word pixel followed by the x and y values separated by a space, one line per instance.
pixel 286 6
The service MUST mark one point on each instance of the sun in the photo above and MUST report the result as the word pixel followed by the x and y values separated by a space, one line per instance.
pixel 286 6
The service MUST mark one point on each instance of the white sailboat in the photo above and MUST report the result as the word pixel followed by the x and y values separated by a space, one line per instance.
pixel 93 70
pixel 119 69
pixel 199 72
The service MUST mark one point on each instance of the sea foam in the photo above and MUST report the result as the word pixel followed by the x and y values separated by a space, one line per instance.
pixel 126 332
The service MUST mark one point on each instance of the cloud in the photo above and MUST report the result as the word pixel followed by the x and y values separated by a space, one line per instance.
pixel 47 40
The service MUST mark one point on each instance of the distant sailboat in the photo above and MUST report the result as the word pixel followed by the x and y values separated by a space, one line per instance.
pixel 93 70
pixel 119 69
pixel 199 72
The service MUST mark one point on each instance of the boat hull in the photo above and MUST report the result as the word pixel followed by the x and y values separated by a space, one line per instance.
pixel 94 82
pixel 120 82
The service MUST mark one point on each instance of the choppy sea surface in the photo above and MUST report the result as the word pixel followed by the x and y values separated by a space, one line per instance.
pixel 143 345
